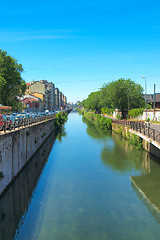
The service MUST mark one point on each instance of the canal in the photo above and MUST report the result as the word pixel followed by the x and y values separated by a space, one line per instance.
pixel 84 186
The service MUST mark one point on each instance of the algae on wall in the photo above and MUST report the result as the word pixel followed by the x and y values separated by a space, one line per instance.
pixel 131 137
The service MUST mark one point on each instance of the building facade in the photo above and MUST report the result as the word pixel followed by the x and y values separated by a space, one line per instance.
pixel 51 98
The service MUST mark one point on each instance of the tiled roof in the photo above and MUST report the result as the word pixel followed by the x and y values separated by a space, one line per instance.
pixel 33 99
pixel 157 98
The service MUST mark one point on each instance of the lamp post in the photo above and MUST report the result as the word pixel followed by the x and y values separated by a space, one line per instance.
pixel 145 95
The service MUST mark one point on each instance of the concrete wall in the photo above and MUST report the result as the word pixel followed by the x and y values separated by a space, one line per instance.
pixel 16 200
pixel 18 146
pixel 149 145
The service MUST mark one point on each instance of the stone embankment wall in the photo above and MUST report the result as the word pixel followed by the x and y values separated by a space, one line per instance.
pixel 22 190
pixel 136 139
pixel 17 147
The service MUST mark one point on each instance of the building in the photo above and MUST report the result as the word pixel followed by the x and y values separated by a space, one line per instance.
pixel 60 99
pixel 150 100
pixel 50 96
pixel 31 103
pixel 42 97
pixel 65 101
pixel 40 87
pixel 56 98
pixel 28 89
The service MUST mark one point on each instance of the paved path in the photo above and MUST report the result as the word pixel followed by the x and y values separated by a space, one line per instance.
pixel 155 126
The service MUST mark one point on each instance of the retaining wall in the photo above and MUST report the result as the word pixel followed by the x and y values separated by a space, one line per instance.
pixel 17 147
pixel 149 145
pixel 16 200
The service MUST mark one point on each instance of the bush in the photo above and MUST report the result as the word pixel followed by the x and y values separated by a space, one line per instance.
pixel 136 112
pixel 108 111
pixel 118 116
pixel 104 123
pixel 61 118
pixel 137 141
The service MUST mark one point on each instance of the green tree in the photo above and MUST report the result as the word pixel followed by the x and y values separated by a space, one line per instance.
pixel 93 102
pixel 11 83
pixel 123 95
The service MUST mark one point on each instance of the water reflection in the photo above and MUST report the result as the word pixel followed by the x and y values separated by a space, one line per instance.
pixel 61 133
pixel 93 131
pixel 147 187
pixel 117 153
pixel 122 157
pixel 15 202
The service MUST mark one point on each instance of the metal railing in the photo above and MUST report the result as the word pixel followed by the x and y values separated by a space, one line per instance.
pixel 141 127
pixel 24 122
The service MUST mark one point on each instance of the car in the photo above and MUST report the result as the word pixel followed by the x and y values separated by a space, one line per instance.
pixel 11 119
pixel 3 119
pixel 20 116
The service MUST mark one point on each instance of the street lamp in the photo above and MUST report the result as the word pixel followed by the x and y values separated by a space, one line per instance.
pixel 145 95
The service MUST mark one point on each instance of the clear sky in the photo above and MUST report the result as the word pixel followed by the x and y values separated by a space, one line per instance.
pixel 81 44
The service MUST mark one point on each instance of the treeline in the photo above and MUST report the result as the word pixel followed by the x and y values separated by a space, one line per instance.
pixel 123 94
pixel 12 85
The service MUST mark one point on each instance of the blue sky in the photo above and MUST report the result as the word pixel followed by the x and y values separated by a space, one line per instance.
pixel 80 45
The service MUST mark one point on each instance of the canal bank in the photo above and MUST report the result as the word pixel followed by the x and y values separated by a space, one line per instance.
pixel 138 140
pixel 18 146
pixel 16 200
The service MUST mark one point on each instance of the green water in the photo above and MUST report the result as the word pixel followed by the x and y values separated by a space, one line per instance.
pixel 93 187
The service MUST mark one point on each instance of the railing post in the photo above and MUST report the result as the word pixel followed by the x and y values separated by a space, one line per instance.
pixel 153 134
pixel 5 126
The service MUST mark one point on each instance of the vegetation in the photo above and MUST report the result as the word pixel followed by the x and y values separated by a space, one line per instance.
pixel 11 83
pixel 108 111
pixel 121 94
pixel 93 102
pixel 132 138
pixel 94 131
pixel 61 133
pixel 136 141
pixel 136 112
pixel 60 119
pixel 99 121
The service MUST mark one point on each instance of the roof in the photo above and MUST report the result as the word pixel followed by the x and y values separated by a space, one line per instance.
pixel 5 108
pixel 157 98
pixel 28 84
pixel 28 96
pixel 31 99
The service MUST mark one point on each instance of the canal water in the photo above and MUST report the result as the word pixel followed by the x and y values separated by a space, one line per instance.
pixel 84 186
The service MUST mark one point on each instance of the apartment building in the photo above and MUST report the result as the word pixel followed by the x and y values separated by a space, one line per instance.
pixel 65 101
pixel 28 89
pixel 50 96
pixel 57 98
pixel 60 99
pixel 42 97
